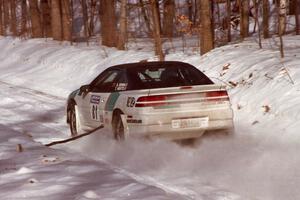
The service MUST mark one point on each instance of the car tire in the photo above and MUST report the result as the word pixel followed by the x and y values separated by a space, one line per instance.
pixel 74 121
pixel 118 128
pixel 187 142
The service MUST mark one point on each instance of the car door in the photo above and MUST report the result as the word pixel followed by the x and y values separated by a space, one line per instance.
pixel 95 100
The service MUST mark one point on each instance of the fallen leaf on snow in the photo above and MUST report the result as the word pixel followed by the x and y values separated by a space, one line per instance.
pixel 269 77
pixel 233 83
pixel 32 180
pixel 239 107
pixel 283 71
pixel 226 66
pixel 47 159
pixel 19 148
pixel 266 108
pixel 225 69
pixel 250 75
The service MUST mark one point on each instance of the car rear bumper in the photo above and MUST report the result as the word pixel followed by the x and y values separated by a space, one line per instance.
pixel 166 130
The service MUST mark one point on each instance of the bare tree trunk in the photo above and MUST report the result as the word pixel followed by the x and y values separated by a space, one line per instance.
pixel 71 18
pixel 228 8
pixel 66 20
pixel 46 18
pixel 158 15
pixel 85 20
pixel 5 17
pixel 206 35
pixel 146 19
pixel 256 6
pixel 123 26
pixel 108 23
pixel 23 31
pixel 13 19
pixel 92 17
pixel 212 18
pixel 281 23
pixel 1 19
pixel 195 17
pixel 219 21
pixel 292 5
pixel 156 30
pixel 297 12
pixel 35 19
pixel 282 17
pixel 168 20
pixel 244 24
pixel 56 23
pixel 266 13
pixel 190 9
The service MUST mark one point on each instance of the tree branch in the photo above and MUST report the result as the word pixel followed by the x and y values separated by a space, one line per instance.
pixel 73 138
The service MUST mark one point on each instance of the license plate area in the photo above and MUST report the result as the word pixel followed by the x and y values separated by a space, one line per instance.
pixel 187 123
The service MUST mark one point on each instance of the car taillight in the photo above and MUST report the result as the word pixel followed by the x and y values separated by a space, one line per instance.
pixel 149 101
pixel 186 87
pixel 217 96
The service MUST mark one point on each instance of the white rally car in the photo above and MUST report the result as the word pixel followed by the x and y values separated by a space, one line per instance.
pixel 169 99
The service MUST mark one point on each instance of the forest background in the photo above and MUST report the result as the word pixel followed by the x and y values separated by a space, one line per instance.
pixel 114 22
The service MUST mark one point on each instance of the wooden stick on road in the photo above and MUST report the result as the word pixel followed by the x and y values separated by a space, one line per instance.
pixel 73 138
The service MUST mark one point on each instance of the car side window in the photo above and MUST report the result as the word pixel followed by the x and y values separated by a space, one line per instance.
pixel 108 82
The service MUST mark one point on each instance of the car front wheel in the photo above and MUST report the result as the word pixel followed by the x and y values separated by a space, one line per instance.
pixel 74 121
pixel 118 127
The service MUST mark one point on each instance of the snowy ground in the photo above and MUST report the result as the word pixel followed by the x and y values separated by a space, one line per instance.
pixel 260 160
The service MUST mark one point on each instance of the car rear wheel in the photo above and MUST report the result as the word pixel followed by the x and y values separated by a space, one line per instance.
pixel 74 121
pixel 118 127
pixel 187 142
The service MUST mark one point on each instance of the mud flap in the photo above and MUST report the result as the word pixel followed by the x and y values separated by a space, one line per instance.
pixel 125 125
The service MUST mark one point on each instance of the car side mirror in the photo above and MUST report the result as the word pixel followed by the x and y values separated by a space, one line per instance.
pixel 84 89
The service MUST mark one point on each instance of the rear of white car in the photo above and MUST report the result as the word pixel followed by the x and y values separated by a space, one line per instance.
pixel 168 99
pixel 180 112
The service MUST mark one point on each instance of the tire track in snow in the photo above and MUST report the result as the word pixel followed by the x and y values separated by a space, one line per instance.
pixel 18 107
pixel 33 112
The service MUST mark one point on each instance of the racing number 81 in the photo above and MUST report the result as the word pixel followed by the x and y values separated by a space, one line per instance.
pixel 94 112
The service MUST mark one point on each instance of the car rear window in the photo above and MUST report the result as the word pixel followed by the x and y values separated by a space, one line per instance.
pixel 147 77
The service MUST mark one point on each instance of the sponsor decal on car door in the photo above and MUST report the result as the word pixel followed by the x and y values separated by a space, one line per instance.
pixel 97 107
pixel 94 108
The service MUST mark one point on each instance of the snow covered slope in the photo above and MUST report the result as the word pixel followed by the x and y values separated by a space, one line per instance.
pixel 29 170
pixel 260 161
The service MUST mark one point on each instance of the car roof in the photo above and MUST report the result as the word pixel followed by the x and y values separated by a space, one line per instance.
pixel 152 63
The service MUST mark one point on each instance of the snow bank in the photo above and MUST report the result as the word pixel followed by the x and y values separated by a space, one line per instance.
pixel 57 69
pixel 37 172
pixel 260 161
pixel 261 85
